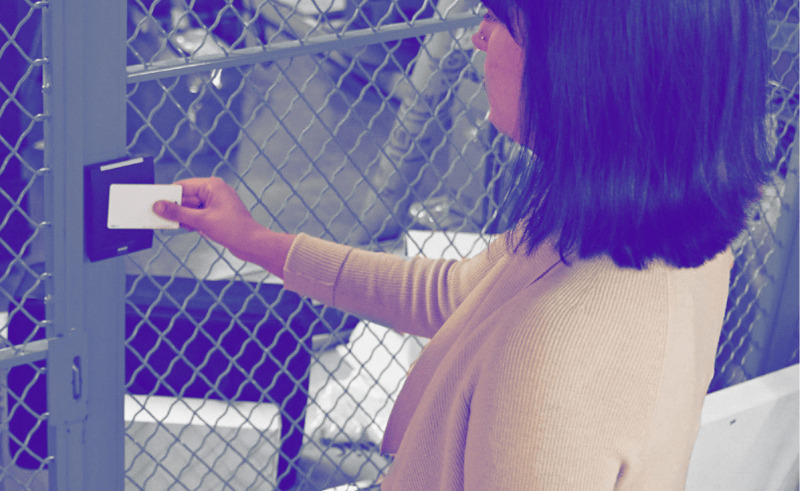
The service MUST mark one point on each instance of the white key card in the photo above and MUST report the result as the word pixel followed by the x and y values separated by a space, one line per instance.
pixel 130 206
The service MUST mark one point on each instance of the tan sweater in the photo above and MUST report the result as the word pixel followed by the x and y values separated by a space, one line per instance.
pixel 538 375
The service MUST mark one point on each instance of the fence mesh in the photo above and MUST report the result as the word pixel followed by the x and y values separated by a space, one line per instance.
pixel 357 121
pixel 744 345
pixel 24 456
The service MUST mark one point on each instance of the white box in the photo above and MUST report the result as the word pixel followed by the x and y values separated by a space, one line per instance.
pixel 445 244
pixel 748 436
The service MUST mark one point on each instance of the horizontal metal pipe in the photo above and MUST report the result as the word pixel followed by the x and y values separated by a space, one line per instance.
pixel 286 49
pixel 23 354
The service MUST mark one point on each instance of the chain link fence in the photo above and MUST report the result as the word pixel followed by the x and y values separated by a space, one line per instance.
pixel 357 121
pixel 24 454
pixel 761 270
pixel 349 114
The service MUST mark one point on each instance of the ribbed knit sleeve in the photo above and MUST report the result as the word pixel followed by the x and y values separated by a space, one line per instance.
pixel 414 295
pixel 313 267
pixel 565 396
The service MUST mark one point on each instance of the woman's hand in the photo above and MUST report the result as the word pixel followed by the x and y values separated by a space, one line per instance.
pixel 212 208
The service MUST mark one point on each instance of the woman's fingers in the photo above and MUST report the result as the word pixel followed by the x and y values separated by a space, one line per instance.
pixel 211 207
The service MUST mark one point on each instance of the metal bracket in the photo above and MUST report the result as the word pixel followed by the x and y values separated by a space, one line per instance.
pixel 65 378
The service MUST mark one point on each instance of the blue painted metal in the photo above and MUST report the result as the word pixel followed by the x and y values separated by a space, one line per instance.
pixel 85 106
pixel 289 49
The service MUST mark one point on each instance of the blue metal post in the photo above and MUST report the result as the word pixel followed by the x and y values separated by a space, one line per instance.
pixel 85 104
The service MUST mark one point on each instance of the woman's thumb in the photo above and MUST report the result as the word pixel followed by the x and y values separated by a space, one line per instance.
pixel 170 211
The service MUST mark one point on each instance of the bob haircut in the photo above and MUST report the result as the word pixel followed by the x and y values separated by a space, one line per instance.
pixel 646 124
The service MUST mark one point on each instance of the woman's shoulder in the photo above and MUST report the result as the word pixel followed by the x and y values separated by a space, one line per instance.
pixel 595 299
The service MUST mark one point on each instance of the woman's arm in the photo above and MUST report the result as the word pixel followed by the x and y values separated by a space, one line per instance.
pixel 414 296
pixel 566 397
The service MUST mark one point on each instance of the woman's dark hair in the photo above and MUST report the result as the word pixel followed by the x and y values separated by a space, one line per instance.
pixel 647 124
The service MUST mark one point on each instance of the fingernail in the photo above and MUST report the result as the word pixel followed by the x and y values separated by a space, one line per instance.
pixel 158 207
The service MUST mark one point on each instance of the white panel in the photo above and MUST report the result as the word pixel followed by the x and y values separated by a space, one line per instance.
pixel 748 438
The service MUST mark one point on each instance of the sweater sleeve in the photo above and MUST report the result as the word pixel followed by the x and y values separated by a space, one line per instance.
pixel 566 396
pixel 414 295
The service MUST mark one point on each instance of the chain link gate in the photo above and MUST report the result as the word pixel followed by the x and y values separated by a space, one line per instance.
pixel 24 456
pixel 326 117
pixel 358 121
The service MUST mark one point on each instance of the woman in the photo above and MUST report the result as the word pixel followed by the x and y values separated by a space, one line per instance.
pixel 576 351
